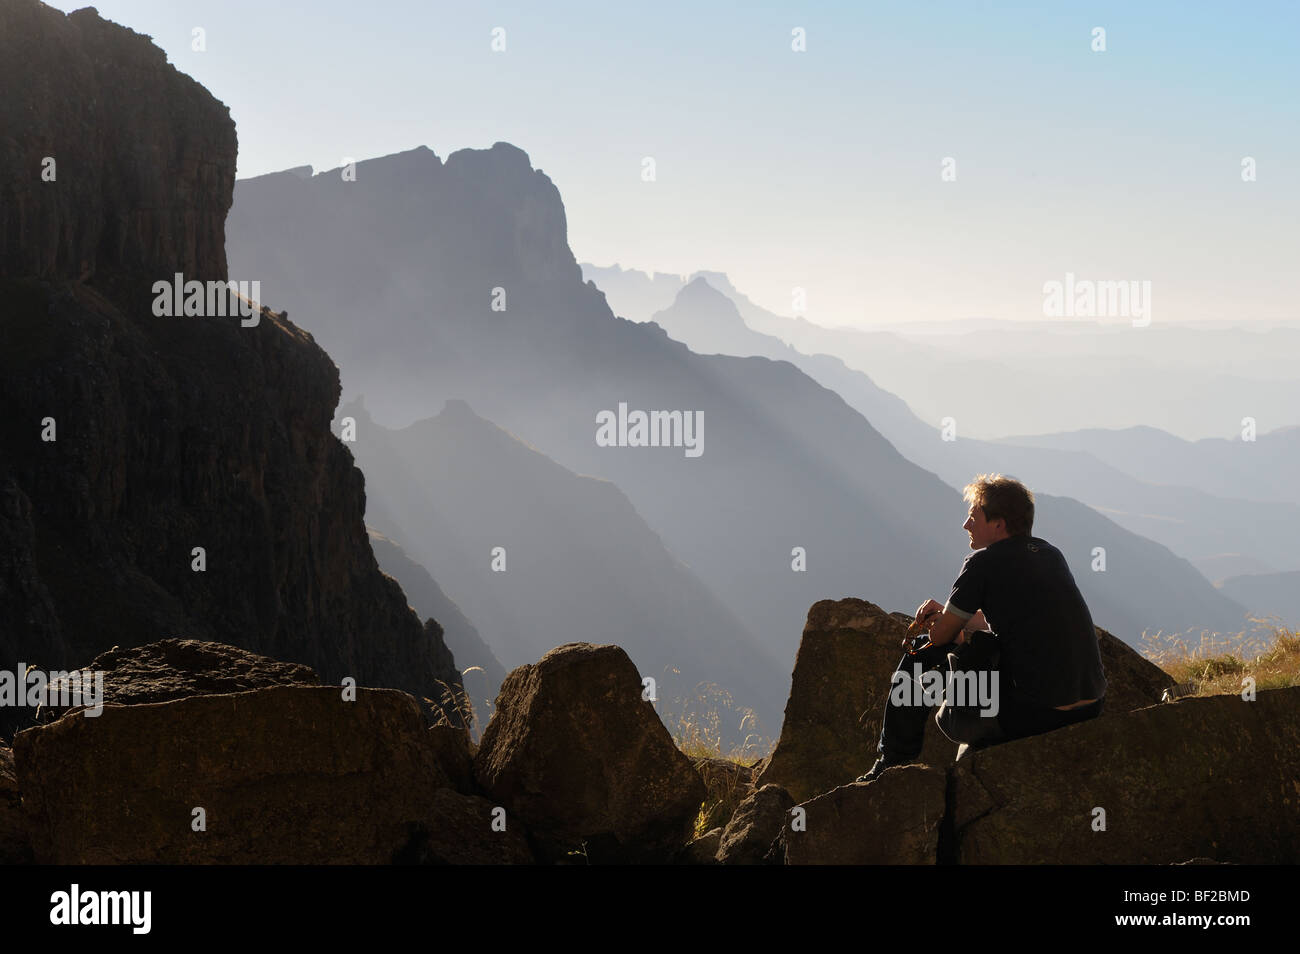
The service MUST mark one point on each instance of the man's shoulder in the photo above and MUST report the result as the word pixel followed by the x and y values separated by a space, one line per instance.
pixel 1014 551
pixel 1019 542
pixel 1039 545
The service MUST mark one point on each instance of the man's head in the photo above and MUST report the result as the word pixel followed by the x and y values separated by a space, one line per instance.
pixel 1000 507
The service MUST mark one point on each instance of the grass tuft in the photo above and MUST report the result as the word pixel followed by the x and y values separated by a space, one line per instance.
pixel 455 699
pixel 1218 664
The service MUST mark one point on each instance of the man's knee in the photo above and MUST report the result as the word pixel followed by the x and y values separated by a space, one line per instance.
pixel 970 724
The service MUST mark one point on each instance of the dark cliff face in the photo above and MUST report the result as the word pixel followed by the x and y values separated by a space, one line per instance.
pixel 172 433
pixel 144 157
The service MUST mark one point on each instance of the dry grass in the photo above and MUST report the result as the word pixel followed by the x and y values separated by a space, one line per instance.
pixel 456 699
pixel 1219 663
pixel 700 723
pixel 697 720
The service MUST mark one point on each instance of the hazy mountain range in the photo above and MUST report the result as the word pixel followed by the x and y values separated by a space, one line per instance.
pixel 1190 380
pixel 1220 535
pixel 576 561
pixel 1228 506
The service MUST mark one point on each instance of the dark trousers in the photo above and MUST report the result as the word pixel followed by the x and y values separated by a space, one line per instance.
pixel 903 731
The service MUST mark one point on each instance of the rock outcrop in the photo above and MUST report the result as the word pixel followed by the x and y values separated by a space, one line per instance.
pixel 702 850
pixel 286 774
pixel 129 441
pixel 756 824
pixel 455 754
pixel 1132 680
pixel 1212 777
pixel 576 754
pixel 143 169
pixel 841 681
pixel 15 844
pixel 176 668
pixel 894 820
pixel 837 694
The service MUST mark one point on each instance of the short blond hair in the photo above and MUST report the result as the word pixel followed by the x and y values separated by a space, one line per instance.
pixel 1003 498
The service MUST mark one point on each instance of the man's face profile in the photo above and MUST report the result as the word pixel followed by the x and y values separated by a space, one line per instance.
pixel 981 531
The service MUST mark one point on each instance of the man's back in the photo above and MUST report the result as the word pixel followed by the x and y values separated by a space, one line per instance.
pixel 1023 584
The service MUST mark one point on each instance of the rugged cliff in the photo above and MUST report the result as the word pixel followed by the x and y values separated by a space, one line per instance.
pixel 143 156
pixel 129 440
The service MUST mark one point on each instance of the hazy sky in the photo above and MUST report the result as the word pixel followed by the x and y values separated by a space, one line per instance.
pixel 819 169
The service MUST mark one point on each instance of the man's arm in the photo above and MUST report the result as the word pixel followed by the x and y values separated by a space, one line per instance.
pixel 946 627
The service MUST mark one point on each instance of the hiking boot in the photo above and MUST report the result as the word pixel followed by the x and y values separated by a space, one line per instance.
pixel 878 769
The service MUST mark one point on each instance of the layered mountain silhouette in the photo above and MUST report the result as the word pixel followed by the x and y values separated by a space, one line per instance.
pixel 1192 523
pixel 454 280
pixel 1263 469
pixel 1267 594
pixel 161 477
pixel 1185 379
pixel 575 560
pixel 785 463
pixel 709 321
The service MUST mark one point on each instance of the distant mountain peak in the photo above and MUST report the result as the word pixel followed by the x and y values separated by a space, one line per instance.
pixel 458 408
pixel 700 302
pixel 499 152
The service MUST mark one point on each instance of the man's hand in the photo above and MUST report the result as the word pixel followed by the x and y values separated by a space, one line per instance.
pixel 945 627
pixel 925 615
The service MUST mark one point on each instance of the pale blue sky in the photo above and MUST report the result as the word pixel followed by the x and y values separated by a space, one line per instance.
pixel 818 169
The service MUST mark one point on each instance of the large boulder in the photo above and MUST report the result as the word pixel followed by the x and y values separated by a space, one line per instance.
pixel 894 820
pixel 15 847
pixel 837 696
pixel 1212 777
pixel 756 824
pixel 576 753
pixel 284 774
pixel 177 668
pixel 841 681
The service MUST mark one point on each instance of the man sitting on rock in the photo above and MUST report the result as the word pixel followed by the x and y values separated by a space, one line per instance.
pixel 1021 628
